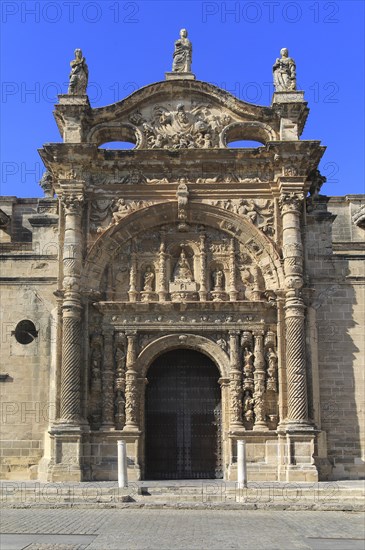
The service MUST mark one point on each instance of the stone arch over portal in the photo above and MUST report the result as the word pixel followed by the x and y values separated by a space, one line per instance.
pixel 183 341
pixel 263 249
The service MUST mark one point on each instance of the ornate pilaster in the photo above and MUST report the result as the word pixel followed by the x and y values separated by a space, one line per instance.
pixel 120 359
pixel 203 267
pixel 108 383
pixel 232 272
pixel 131 389
pixel 71 311
pixel 235 384
pixel 162 290
pixel 132 293
pixel 248 380
pixel 291 207
pixel 259 384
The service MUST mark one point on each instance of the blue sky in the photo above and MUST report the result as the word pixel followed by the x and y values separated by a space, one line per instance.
pixel 129 44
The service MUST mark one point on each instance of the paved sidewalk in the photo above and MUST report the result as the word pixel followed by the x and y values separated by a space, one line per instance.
pixel 179 529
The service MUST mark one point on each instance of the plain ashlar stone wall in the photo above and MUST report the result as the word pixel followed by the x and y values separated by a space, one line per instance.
pixel 26 407
pixel 27 282
pixel 335 266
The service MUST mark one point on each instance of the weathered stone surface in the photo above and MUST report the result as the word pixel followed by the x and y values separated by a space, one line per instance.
pixel 183 244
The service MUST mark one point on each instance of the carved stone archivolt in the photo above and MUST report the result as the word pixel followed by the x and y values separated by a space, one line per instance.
pixel 260 212
pixel 105 213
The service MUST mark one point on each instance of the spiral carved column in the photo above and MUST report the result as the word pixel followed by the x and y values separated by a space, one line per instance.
pixel 291 205
pixel 132 385
pixel 70 409
pixel 235 384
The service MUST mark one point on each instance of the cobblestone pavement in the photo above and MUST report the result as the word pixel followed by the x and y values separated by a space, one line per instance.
pixel 179 529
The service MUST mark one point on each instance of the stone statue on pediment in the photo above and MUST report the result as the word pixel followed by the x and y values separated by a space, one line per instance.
pixel 284 72
pixel 79 75
pixel 182 54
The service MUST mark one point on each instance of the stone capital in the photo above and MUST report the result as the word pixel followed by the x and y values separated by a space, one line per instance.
pixel 291 202
pixel 72 203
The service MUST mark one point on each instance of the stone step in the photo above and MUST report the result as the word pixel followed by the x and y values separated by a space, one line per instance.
pixel 159 493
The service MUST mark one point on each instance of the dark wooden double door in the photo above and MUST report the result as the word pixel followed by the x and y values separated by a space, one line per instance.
pixel 183 417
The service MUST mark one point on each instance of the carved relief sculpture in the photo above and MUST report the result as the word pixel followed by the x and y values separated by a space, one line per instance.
pixel 147 293
pixel 120 388
pixel 248 405
pixel 272 362
pixel 248 369
pixel 182 195
pixel 181 127
pixel 183 287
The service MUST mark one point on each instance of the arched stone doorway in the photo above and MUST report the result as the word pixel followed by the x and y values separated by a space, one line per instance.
pixel 183 417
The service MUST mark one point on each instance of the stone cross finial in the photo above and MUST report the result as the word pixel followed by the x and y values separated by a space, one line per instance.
pixel 79 75
pixel 284 72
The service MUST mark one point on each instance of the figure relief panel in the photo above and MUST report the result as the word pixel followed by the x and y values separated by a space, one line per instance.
pixel 180 125
pixel 105 213
pixel 197 263
pixel 259 212
pixel 259 381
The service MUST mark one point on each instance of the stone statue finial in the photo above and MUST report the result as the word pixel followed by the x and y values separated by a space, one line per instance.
pixel 284 72
pixel 79 75
pixel 182 54
pixel 46 182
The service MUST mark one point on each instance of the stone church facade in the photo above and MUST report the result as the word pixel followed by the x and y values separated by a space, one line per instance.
pixel 182 295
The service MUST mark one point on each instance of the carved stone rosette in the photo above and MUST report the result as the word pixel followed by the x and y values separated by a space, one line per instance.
pixel 71 311
pixel 235 384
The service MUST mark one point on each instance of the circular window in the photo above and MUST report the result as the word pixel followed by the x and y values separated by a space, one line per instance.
pixel 25 332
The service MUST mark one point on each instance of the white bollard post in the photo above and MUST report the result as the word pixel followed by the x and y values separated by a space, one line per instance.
pixel 241 463
pixel 122 464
